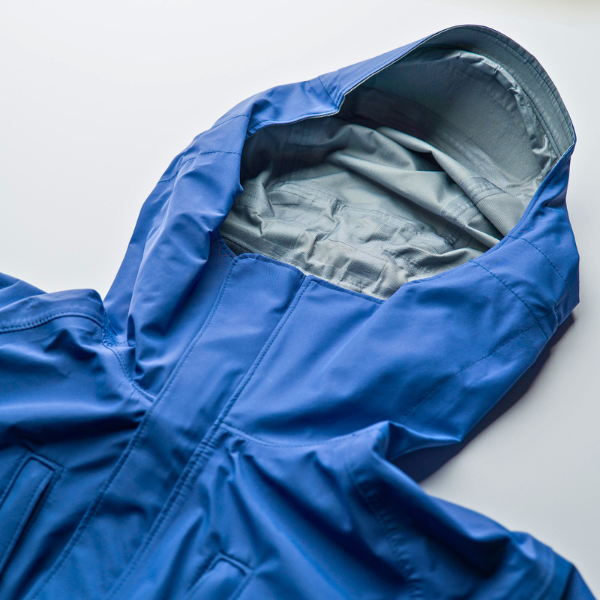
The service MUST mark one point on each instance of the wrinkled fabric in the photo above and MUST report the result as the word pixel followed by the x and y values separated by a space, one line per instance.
pixel 227 425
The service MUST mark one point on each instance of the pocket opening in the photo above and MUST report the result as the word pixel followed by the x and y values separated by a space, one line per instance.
pixel 225 577
pixel 19 503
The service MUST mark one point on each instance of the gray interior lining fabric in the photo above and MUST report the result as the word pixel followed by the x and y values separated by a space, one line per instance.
pixel 428 164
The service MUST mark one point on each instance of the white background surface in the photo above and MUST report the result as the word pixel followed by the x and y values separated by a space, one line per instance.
pixel 98 97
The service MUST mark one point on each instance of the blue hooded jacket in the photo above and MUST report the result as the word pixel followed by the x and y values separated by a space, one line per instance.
pixel 339 276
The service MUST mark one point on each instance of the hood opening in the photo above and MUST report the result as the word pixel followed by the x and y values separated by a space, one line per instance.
pixel 427 164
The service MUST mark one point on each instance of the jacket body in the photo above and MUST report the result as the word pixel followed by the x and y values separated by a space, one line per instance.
pixel 231 425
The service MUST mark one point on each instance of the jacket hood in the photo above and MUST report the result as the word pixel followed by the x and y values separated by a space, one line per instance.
pixel 522 251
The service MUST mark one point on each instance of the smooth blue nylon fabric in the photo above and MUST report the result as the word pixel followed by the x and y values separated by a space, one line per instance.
pixel 225 426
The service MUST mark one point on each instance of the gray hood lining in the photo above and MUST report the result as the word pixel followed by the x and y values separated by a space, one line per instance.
pixel 428 163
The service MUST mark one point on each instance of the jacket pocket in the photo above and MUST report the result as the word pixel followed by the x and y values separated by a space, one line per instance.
pixel 224 578
pixel 19 501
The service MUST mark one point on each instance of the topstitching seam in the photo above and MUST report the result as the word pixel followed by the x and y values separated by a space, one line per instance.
pixel 109 342
pixel 24 515
pixel 192 158
pixel 294 120
pixel 227 121
pixel 19 466
pixel 515 293
pixel 209 565
pixel 43 320
pixel 202 447
pixel 326 89
pixel 58 471
pixel 147 396
pixel 254 439
pixel 133 444
pixel 408 573
pixel 324 283
pixel 568 291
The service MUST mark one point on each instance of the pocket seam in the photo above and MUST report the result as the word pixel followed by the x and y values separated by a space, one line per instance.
pixel 247 573
pixel 26 514
pixel 58 472
pixel 34 498
pixel 20 464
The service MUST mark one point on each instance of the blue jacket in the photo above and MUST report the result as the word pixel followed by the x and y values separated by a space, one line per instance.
pixel 338 277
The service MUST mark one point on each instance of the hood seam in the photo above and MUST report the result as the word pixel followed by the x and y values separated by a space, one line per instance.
pixel 567 287
pixel 517 295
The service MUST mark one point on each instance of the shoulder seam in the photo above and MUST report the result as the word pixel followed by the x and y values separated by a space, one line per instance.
pixel 46 319
pixel 515 294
